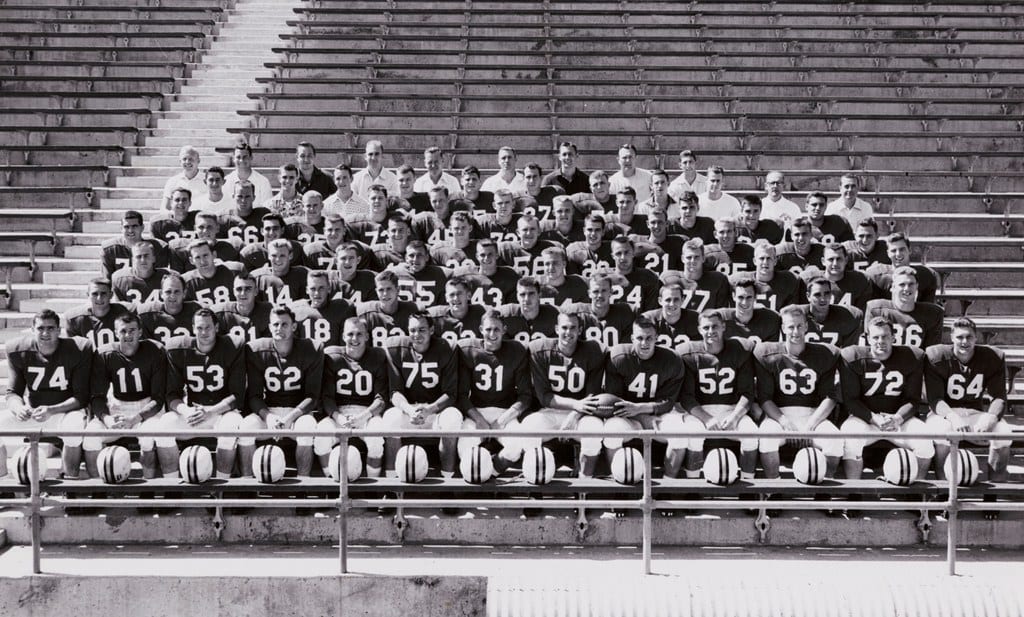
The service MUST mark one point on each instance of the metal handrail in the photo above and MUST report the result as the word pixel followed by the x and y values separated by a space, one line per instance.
pixel 646 504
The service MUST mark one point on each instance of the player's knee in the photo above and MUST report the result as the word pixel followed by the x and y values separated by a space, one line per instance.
pixel 392 419
pixel 93 444
pixel 616 425
pixel 923 448
pixel 768 445
pixel 304 424
pixel 73 421
pixel 449 419
pixel 323 444
pixel 374 445
pixel 252 422
pixel 853 448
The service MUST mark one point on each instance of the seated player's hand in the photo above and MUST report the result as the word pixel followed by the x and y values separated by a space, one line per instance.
pixel 629 409
pixel 196 416
pixel 587 405
pixel 417 416
pixel 276 423
pixel 572 420
pixel 21 412
pixel 958 424
pixel 41 413
pixel 725 423
pixel 788 424
pixel 344 421
pixel 986 423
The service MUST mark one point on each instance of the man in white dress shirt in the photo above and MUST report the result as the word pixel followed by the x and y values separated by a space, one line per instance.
pixel 507 177
pixel 848 205
pixel 716 204
pixel 435 176
pixel 374 173
pixel 630 175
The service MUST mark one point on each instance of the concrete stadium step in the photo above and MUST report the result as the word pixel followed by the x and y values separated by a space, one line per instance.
pixel 45 197
pixel 108 13
pixel 62 155
pixel 195 38
pixel 96 84
pixel 42 119
pixel 33 68
pixel 85 135
pixel 97 54
pixel 43 175
pixel 106 26
pixel 81 100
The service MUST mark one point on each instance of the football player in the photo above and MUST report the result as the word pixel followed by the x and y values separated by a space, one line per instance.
pixel 966 387
pixel 602 320
pixel 717 392
pixel 208 283
pixel 458 319
pixel 673 323
pixel 117 252
pixel 747 320
pixel 139 283
pixel 898 252
pixel 726 255
pixel 830 323
pixel 710 289
pixel 254 255
pixel 284 386
pixel 881 391
pixel 829 228
pixel 560 287
pixel 852 288
pixel 641 290
pixel 425 284
pixel 751 227
pixel 690 224
pixel 95 321
pixel 172 314
pixel 776 288
pixel 529 319
pixel 592 253
pixel 205 388
pixel 279 280
pixel 567 372
pixel 796 390
pixel 246 318
pixel 424 389
pixel 49 387
pixel 494 387
pixel 503 279
pixel 129 380
pixel 801 251
pixel 320 318
pixel 915 323
pixel 661 250
pixel 647 377
pixel 387 315
pixel 356 389
pixel 866 249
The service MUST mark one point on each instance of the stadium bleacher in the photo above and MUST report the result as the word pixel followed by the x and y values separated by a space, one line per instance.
pixel 925 106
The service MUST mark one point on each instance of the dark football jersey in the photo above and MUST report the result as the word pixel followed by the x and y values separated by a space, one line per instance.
pixel 861 260
pixel 764 325
pixel 525 261
pixel 115 255
pixel 965 385
pixel 205 378
pixel 494 229
pixel 834 228
pixel 573 289
pixel 494 378
pixel 167 229
pixel 247 328
pixel 425 288
pixel 209 291
pixel 703 228
pixel 179 256
pixel 841 327
pixel 159 325
pixel 585 261
pixel 784 289
pixel 501 290
pixel 99 330
pixel 362 287
pixel 657 379
pixel 524 330
pixel 804 380
pixel 348 381
pixel 712 291
pixel 249 228
pixel 254 256
pixel 275 380
pixel 641 294
pixel 129 378
pixel 550 233
pixel 670 257
pixel 48 380
pixel 875 386
pixel 452 328
pixel 136 290
pixel 383 324
pixel 793 262
pixel 615 327
pixel 854 290
pixel 576 376
pixel 323 324
pixel 766 229
pixel 683 330
pixel 721 379
pixel 282 289
pixel 423 378
pixel 740 259
pixel 318 255
pixel 920 328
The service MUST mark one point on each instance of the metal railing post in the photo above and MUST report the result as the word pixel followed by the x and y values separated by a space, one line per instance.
pixel 343 504
pixel 952 516
pixel 34 491
pixel 648 509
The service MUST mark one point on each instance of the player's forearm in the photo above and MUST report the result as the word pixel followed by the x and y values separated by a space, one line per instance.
pixel 822 412
pixel 905 412
pixel 443 402
pixel 997 407
pixel 858 409
pixel 376 408
pixel 224 406
pixel 741 409
pixel 771 410
pixel 398 400
pixel 661 406
pixel 66 405
pixel 306 406
pixel 563 403
pixel 942 408
pixel 150 410
pixel 98 407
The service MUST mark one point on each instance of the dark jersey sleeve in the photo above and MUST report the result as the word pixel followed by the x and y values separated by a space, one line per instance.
pixel 255 400
pixel 852 387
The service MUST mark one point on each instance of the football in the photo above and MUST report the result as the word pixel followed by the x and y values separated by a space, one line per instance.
pixel 606 405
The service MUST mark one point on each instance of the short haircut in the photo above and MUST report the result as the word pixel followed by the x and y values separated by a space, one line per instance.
pixel 461 216
pixel 869 222
pixel 964 322
pixel 378 188
pixel 204 313
pixel 199 243
pixel 280 243
pixel 471 170
pixel 716 169
pixel 398 217
pixel 503 193
pixel 848 176
pixel 764 246
pixel 101 282
pixel 439 189
pixel 694 244
pixel 318 274
pixel 905 271
pixel 172 276
pixel 746 282
pixel 46 315
pixel 423 316
pixel 529 282
pixel 243 146
pixel 815 195
pixel 244 185
pixel 459 281
pixel 281 309
pixel 625 240
pixel 248 278
pixel 711 314
pixel 898 236
pixel 881 322
pixel 386 276
pixel 568 144
pixel 837 247
pixel 689 198
pixel 306 144
pixel 670 287
pixel 659 172
pixel 486 243
pixel 629 147
pixel 273 217
pixel 132 215
pixel 142 245
pixel 418 245
pixel 334 219
pixel 688 154
pixel 405 169
pixel 128 317
pixel 801 222
pixel 214 170
pixel 359 322
pixel 288 167
pixel 344 167
pixel 534 167
pixel 595 217
pixel 493 315
pixel 184 191
pixel 597 175
pixel 795 311
pixel 753 200
pixel 820 280
pixel 627 190
pixel 644 323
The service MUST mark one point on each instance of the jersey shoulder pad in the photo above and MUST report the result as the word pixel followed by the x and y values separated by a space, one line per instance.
pixel 106 349
pixel 111 243
pixel 472 344
pixel 989 352
pixel 939 353
pixel 368 306
pixel 576 308
pixel 261 344
pixel 234 343
pixel 250 249
pixel 917 353
pixel 543 344
pixel 179 342
pixel 78 311
pixel 620 349
pixel 520 348
pixel 305 346
pixel 151 346
pixel 853 311
pixel 592 348
pixel 77 344
pixel 765 350
pixel 688 348
pixel 438 311
pixel 828 348
pixel 19 344
pixel 396 342
pixel 743 343
pixel 854 353
pixel 932 308
pixel 151 307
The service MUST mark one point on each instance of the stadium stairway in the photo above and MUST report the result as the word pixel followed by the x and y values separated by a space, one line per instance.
pixel 924 104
